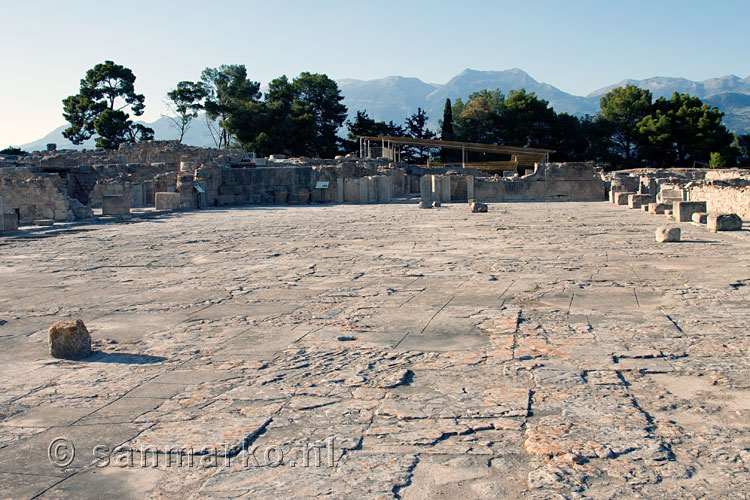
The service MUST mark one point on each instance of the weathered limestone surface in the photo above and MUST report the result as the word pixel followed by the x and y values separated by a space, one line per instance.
pixel 69 339
pixel 659 208
pixel 115 205
pixel 700 217
pixel 666 234
pixel 9 222
pixel 167 201
pixel 622 197
pixel 723 222
pixel 684 210
pixel 638 200
pixel 547 350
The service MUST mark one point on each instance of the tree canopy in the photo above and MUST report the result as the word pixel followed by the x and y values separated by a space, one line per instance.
pixel 186 100
pixel 107 94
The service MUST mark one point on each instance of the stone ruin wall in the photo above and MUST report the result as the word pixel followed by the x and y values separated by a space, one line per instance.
pixel 723 196
pixel 548 182
pixel 34 197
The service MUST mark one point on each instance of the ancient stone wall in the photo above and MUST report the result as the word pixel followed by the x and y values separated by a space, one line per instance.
pixel 35 197
pixel 548 182
pixel 724 196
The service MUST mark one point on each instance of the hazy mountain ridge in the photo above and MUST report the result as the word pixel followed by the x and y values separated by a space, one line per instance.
pixel 397 97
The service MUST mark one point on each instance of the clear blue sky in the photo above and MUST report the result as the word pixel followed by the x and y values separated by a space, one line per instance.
pixel 577 46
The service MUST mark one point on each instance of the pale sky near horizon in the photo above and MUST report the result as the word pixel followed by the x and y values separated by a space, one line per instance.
pixel 46 46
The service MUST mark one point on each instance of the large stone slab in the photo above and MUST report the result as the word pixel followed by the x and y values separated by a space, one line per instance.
pixel 167 201
pixel 684 210
pixel 621 198
pixel 115 205
pixel 638 200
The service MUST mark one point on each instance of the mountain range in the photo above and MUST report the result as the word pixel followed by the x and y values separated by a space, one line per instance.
pixel 397 97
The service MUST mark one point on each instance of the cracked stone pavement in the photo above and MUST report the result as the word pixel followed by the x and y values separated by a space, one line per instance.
pixel 541 350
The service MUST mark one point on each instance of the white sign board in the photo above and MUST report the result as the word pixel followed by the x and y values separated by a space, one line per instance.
pixel 321 185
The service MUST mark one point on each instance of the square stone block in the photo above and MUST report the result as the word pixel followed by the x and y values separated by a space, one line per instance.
pixel 115 205
pixel 167 201
pixel 684 210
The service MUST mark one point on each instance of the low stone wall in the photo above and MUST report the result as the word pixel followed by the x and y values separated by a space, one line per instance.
pixel 724 196
pixel 37 197
pixel 548 182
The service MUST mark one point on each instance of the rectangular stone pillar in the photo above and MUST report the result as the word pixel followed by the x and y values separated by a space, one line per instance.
pixel 435 189
pixel 425 189
pixel 469 187
pixel 384 188
pixel 9 221
pixel 445 188
pixel 339 190
pixel 372 189
pixel 364 195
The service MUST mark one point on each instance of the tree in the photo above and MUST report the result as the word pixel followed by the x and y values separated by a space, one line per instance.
pixel 186 101
pixel 447 133
pixel 525 120
pixel 622 109
pixel 231 104
pixel 741 147
pixel 10 150
pixel 416 127
pixel 323 99
pixel 478 119
pixel 101 107
pixel 288 123
pixel 682 130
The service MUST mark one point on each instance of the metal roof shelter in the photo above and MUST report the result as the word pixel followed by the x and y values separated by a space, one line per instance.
pixel 391 149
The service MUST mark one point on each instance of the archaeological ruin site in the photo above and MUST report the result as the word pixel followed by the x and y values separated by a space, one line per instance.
pixel 181 322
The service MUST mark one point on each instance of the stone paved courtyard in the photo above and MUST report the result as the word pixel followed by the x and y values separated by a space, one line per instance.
pixel 541 350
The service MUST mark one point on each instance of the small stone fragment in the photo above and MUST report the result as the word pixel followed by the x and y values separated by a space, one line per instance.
pixel 69 339
pixel 665 234
pixel 477 207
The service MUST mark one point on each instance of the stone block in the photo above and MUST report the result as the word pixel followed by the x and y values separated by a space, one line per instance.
pixel 425 183
pixel 637 200
pixel 44 222
pixel 364 190
pixel 69 339
pixel 478 207
pixel 684 210
pixel 445 188
pixel 724 222
pixel 115 205
pixel 700 217
pixel 470 186
pixel 425 204
pixel 9 222
pixel 666 234
pixel 621 198
pixel 436 204
pixel 384 188
pixel 83 212
pixel 436 189
pixel 167 201
pixel 644 207
pixel 658 208
pixel 339 190
pixel 669 195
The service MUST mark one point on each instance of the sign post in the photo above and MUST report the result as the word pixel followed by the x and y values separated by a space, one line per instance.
pixel 322 185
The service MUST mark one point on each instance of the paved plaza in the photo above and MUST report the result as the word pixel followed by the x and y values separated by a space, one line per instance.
pixel 540 350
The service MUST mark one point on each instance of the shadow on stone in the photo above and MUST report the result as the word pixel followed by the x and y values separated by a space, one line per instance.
pixel 124 358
